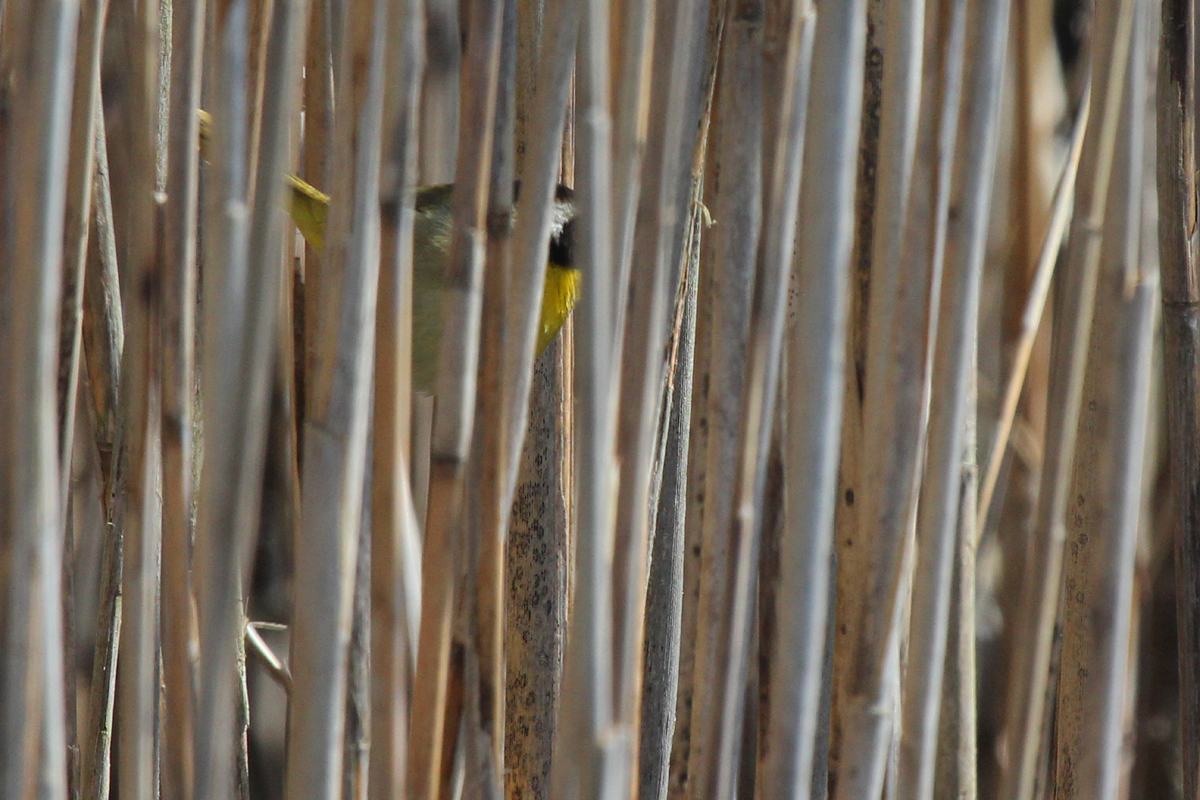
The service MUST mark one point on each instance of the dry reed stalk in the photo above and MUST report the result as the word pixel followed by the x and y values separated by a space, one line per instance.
pixel 939 524
pixel 957 754
pixel 76 223
pixel 665 582
pixel 1038 611
pixel 76 227
pixel 638 349
pixel 737 176
pixel 816 341
pixel 103 321
pixel 594 742
pixel 891 105
pixel 896 410
pixel 40 65
pixel 242 295
pixel 1176 100
pixel 395 538
pixel 336 430
pixel 103 342
pixel 456 392
pixel 674 783
pixel 486 574
pixel 178 332
pixel 1031 320
pixel 440 90
pixel 139 503
pixel 1097 606
pixel 632 34
pixel 791 682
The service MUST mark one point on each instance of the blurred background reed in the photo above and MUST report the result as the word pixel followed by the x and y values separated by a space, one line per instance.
pixel 866 465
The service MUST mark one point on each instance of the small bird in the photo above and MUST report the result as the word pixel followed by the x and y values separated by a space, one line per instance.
pixel 309 210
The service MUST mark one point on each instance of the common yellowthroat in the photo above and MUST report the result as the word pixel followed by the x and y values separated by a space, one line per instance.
pixel 309 209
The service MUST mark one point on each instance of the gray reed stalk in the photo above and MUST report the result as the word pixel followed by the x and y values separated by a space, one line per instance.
pixel 706 172
pixel 1176 114
pixel 103 342
pixel 890 135
pixel 896 411
pixel 1098 607
pixel 737 179
pixel 242 296
pixel 957 758
pixel 736 175
pixel 1035 305
pixel 633 24
pixel 456 396
pixel 178 332
pixel 1038 610
pixel 441 85
pixel 40 62
pixel 137 678
pixel 783 159
pixel 336 429
pixel 593 744
pixel 941 495
pixel 664 586
pixel 815 378
pixel 638 351
pixel 788 714
pixel 395 539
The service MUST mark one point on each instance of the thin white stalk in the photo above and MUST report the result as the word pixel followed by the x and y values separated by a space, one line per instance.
pixel 938 522
pixel 1035 305
pixel 590 750
pixel 336 428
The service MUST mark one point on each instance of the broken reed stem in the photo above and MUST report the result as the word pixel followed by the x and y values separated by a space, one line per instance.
pixel 456 392
pixel 1038 612
pixel 395 539
pixel 1035 305
pixel 103 342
